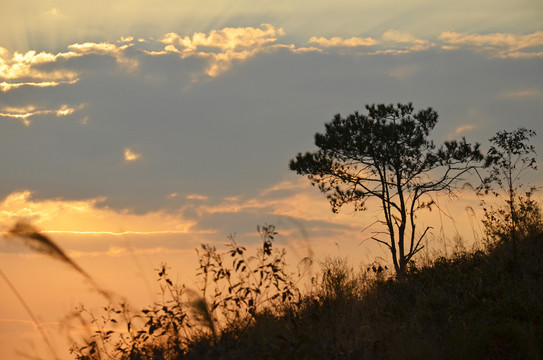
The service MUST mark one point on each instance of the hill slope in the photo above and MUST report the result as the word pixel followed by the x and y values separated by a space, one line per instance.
pixel 472 306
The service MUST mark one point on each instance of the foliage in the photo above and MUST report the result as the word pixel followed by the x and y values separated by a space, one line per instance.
pixel 509 157
pixel 249 283
pixel 472 305
pixel 498 221
pixel 387 155
pixel 236 290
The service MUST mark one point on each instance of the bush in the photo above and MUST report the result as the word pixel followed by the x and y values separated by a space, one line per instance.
pixel 498 221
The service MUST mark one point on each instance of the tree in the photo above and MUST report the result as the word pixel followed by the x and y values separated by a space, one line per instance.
pixel 509 157
pixel 386 154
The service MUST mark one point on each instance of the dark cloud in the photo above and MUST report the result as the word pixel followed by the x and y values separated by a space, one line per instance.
pixel 233 134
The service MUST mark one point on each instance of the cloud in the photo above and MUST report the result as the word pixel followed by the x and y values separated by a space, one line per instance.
pixel 108 49
pixel 30 67
pixel 293 199
pixel 225 39
pixel 197 197
pixel 25 113
pixel 44 69
pixel 392 42
pixel 464 128
pixel 53 12
pixel 404 72
pixel 341 42
pixel 222 62
pixel 399 43
pixel 4 86
pixel 524 94
pixel 88 227
pixel 130 155
pixel 87 217
pixel 222 48
pixel 523 55
pixel 302 50
pixel 125 39
pixel 91 227
pixel 399 37
pixel 501 45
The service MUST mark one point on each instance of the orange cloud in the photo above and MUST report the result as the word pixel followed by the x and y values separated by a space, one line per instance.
pixel 463 128
pixel 502 45
pixel 196 197
pixel 297 199
pixel 87 217
pixel 341 42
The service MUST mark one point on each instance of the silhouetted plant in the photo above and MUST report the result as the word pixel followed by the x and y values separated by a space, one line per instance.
pixel 243 285
pixel 509 157
pixel 339 280
pixel 160 331
pixel 236 289
pixel 498 221
pixel 387 155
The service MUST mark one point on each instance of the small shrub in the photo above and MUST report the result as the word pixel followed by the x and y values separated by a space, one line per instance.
pixel 498 222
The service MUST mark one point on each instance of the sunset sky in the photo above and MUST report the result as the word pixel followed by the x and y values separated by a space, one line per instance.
pixel 131 132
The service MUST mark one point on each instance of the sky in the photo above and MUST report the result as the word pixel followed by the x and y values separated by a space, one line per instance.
pixel 131 132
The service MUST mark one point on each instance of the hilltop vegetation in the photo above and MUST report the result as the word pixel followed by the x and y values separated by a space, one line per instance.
pixel 484 303
pixel 473 305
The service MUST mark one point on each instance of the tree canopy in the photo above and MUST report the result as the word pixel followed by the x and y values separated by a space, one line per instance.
pixel 386 154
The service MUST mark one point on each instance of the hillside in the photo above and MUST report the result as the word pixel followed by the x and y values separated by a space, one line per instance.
pixel 475 305
pixel 472 306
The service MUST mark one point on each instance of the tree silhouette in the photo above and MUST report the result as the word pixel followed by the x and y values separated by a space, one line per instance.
pixel 509 157
pixel 386 154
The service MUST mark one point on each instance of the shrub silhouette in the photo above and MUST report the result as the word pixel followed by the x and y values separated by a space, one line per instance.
pixel 236 290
